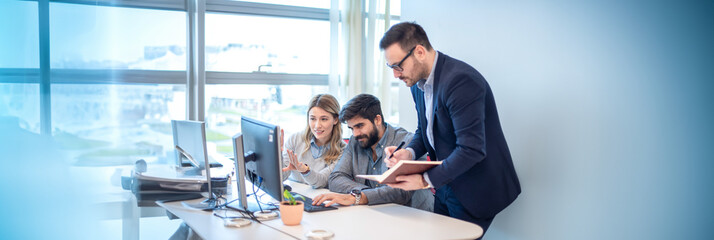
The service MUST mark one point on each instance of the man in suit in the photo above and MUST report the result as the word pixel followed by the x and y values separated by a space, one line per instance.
pixel 457 124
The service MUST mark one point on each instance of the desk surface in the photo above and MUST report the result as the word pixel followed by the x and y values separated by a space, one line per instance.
pixel 210 227
pixel 386 221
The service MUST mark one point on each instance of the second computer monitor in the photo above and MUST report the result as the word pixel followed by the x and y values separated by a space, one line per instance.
pixel 263 164
pixel 190 137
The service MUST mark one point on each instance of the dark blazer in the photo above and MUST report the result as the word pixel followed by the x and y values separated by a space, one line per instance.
pixel 468 138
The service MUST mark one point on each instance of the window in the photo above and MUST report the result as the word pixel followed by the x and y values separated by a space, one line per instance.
pixel 102 37
pixel 19 42
pixel 284 105
pixel 242 43
pixel 19 63
pixel 131 57
pixel 111 124
pixel 21 101
pixel 266 67
pixel 118 70
pixel 299 3
pixel 394 85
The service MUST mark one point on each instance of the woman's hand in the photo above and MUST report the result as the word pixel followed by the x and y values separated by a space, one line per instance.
pixel 295 164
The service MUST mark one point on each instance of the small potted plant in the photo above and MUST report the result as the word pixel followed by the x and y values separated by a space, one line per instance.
pixel 291 210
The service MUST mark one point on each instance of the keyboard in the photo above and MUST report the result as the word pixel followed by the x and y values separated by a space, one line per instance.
pixel 212 162
pixel 308 204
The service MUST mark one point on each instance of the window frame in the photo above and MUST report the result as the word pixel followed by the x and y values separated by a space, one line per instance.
pixel 195 77
pixel 270 10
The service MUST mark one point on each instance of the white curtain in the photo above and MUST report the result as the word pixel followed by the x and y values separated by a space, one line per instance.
pixel 365 72
pixel 352 30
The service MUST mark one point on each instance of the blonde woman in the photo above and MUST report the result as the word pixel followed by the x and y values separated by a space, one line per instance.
pixel 311 154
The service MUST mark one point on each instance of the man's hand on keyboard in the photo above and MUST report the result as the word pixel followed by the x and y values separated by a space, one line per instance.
pixel 334 198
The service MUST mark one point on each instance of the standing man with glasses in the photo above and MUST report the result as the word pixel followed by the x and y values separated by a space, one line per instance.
pixel 457 124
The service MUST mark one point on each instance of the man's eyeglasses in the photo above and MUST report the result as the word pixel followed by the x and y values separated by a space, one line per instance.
pixel 398 66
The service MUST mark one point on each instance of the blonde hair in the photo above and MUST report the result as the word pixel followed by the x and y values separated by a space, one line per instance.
pixel 335 144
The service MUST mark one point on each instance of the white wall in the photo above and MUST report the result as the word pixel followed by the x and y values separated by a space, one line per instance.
pixel 606 106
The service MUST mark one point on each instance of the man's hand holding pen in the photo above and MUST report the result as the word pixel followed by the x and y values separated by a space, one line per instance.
pixel 406 182
pixel 395 154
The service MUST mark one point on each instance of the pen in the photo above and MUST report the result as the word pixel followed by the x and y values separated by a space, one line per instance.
pixel 395 150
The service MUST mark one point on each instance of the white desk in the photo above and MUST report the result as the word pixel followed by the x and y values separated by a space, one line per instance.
pixel 386 221
pixel 210 227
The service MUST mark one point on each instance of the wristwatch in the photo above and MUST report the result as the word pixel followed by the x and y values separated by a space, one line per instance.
pixel 357 194
pixel 306 171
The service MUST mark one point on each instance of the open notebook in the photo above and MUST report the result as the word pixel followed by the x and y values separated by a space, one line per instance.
pixel 403 167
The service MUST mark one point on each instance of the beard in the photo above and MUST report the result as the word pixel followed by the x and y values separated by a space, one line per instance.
pixel 372 138
pixel 421 73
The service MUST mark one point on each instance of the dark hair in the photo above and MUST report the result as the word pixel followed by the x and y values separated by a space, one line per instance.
pixel 408 34
pixel 364 105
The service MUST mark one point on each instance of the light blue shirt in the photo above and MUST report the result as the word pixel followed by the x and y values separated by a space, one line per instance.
pixel 427 86
pixel 317 151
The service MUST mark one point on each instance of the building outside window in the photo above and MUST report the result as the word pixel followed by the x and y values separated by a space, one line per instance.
pixel 109 106
pixel 117 72
pixel 262 46
pixel 19 84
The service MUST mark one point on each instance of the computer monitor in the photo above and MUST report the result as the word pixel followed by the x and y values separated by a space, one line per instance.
pixel 190 144
pixel 190 139
pixel 258 159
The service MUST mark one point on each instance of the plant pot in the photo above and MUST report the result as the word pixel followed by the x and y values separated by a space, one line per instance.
pixel 291 214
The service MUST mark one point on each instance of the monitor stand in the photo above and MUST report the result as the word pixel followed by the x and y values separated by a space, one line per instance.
pixel 252 206
pixel 206 205
pixel 212 201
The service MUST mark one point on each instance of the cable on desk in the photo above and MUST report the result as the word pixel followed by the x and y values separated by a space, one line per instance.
pixel 260 183
pixel 251 216
pixel 232 201
pixel 225 215
pixel 228 203
pixel 246 214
